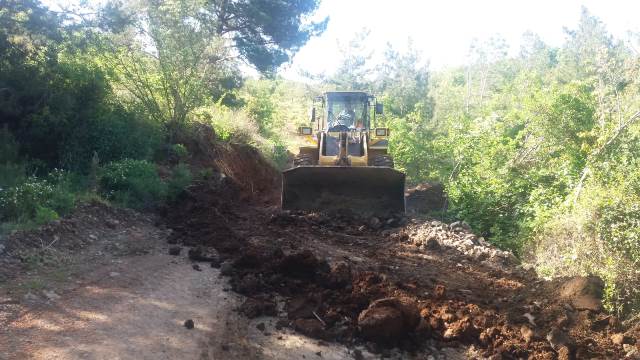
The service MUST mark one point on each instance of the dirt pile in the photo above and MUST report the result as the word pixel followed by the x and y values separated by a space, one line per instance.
pixel 89 224
pixel 386 282
pixel 344 280
pixel 426 198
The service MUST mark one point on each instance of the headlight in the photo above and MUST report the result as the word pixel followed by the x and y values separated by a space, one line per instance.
pixel 305 130
pixel 382 132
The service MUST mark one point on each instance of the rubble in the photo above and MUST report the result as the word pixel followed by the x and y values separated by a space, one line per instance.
pixel 432 234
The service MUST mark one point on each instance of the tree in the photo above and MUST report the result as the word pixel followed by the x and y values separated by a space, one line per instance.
pixel 355 71
pixel 180 53
pixel 404 81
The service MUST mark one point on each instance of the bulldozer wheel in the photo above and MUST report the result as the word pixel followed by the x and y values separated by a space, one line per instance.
pixel 383 160
pixel 302 160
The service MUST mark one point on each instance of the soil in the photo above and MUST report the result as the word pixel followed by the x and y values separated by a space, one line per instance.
pixel 121 295
pixel 271 284
pixel 331 271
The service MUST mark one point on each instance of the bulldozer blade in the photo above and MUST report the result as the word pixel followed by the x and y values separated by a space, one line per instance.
pixel 363 190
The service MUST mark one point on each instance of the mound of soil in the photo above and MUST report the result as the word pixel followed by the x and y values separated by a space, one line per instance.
pixel 383 282
pixel 93 223
pixel 425 198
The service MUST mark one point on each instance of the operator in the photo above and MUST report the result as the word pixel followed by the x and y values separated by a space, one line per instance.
pixel 347 116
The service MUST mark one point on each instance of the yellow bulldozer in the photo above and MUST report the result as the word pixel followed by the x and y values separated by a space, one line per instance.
pixel 343 163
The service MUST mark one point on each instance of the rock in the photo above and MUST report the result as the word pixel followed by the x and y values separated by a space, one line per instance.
pixel 196 267
pixel 114 274
pixel 310 327
pixel 381 324
pixel 459 225
pixel 462 329
pixel 226 268
pixel 374 223
pixel 563 321
pixel 189 324
pixel 30 296
pixel 51 295
pixel 201 254
pixel 2 247
pixel 260 326
pixel 303 264
pixel 583 292
pixel 432 244
pixel 281 323
pixel 175 250
pixel 254 307
pixel 527 333
pixel 557 339
pixel 619 339
pixel 564 353
pixel 357 354
pixel 340 275
pixel 439 291
pixel 112 223
pixel 388 320
pixel 530 318
pixel 487 336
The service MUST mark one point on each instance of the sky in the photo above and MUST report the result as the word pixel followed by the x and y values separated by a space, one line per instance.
pixel 443 30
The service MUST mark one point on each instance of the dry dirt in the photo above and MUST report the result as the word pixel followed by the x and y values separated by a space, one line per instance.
pixel 119 295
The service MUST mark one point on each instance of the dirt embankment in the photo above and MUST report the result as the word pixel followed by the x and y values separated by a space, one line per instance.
pixel 396 282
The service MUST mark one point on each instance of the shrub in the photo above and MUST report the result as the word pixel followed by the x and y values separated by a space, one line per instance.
pixel 229 124
pixel 36 199
pixel 44 215
pixel 12 170
pixel 179 152
pixel 11 175
pixel 132 183
pixel 113 134
pixel 180 179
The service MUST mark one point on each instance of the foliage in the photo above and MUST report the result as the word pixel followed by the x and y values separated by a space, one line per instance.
pixel 132 183
pixel 38 200
pixel 180 179
pixel 538 152
pixel 179 152
pixel 187 50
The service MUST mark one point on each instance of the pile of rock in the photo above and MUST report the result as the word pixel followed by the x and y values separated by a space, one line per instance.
pixel 432 235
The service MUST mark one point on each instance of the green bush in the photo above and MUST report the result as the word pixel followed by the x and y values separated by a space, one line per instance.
pixel 113 134
pixel 180 179
pixel 132 183
pixel 44 215
pixel 11 175
pixel 28 201
pixel 179 152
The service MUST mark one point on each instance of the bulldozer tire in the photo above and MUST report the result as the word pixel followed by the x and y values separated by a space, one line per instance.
pixel 383 160
pixel 302 160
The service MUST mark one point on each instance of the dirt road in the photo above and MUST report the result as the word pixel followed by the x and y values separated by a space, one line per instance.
pixel 131 300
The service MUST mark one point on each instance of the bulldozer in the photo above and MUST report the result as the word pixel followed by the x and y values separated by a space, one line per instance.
pixel 343 162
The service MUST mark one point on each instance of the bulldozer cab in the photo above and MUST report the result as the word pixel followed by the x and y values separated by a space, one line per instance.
pixel 345 111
